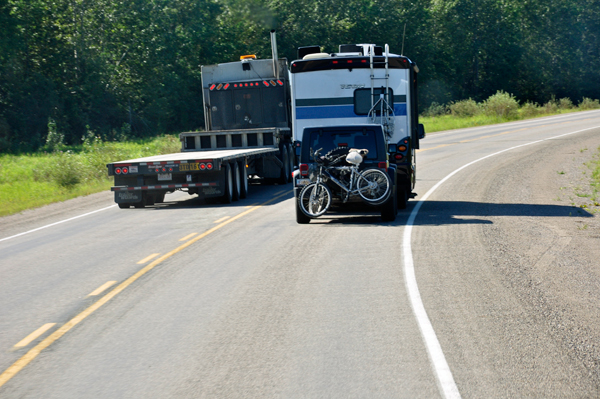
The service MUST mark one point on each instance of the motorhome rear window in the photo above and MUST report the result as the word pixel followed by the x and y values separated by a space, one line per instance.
pixel 362 100
pixel 359 139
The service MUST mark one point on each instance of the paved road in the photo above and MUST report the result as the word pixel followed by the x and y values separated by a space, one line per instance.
pixel 240 301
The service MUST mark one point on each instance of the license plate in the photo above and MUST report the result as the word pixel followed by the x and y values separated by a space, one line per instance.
pixel 165 176
pixel 302 182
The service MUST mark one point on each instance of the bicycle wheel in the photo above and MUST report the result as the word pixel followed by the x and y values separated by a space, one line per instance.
pixel 314 199
pixel 374 186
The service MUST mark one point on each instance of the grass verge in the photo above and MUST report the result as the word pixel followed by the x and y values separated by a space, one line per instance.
pixel 33 180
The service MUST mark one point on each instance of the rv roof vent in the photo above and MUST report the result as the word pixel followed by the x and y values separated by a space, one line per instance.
pixel 351 48
pixel 303 51
pixel 314 56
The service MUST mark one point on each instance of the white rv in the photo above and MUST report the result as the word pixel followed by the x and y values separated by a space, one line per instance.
pixel 361 84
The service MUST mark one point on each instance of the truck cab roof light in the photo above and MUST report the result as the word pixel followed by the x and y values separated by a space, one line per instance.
pixel 248 57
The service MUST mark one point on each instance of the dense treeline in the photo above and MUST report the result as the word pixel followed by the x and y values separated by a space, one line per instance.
pixel 130 68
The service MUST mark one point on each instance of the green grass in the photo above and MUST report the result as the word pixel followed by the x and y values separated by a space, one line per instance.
pixel 451 122
pixel 33 180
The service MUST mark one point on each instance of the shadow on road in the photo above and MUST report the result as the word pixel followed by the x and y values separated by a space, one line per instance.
pixel 465 212
pixel 437 213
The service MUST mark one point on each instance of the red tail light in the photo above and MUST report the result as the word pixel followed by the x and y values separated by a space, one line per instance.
pixel 303 169
pixel 382 165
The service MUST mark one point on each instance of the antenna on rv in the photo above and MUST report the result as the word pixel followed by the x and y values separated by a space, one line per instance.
pixel 403 36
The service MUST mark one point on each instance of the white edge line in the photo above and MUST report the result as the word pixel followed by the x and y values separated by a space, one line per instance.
pixel 54 224
pixel 440 365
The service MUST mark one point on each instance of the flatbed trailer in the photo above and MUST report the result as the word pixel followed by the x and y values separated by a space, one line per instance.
pixel 217 173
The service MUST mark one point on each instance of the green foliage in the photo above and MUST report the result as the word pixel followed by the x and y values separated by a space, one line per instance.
pixel 502 105
pixel 465 108
pixel 436 109
pixel 588 103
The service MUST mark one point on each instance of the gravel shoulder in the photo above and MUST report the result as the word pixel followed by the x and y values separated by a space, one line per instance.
pixel 551 258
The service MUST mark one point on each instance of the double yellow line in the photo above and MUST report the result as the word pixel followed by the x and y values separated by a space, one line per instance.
pixel 17 366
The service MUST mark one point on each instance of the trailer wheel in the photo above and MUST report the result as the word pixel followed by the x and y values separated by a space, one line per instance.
pixel 243 180
pixel 227 185
pixel 235 195
pixel 159 198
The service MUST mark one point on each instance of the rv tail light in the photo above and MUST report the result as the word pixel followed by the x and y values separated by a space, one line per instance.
pixel 303 169
pixel 399 156
pixel 402 148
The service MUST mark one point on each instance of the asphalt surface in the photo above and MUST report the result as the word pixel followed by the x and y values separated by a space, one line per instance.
pixel 240 301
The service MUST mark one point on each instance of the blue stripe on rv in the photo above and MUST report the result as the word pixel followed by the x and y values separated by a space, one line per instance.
pixel 338 111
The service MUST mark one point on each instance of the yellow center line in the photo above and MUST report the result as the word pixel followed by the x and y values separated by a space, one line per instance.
pixel 147 258
pixel 102 288
pixel 27 340
pixel 187 237
pixel 36 350
pixel 222 219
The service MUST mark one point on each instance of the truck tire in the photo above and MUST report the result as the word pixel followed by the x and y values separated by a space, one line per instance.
pixel 244 180
pixel 402 197
pixel 285 169
pixel 159 197
pixel 227 185
pixel 389 209
pixel 236 182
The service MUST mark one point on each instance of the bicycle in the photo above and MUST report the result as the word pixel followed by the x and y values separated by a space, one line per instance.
pixel 371 184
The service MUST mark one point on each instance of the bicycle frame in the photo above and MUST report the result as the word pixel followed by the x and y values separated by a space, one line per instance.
pixel 355 175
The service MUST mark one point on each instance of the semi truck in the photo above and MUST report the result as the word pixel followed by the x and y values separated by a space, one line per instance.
pixel 247 135
pixel 361 84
